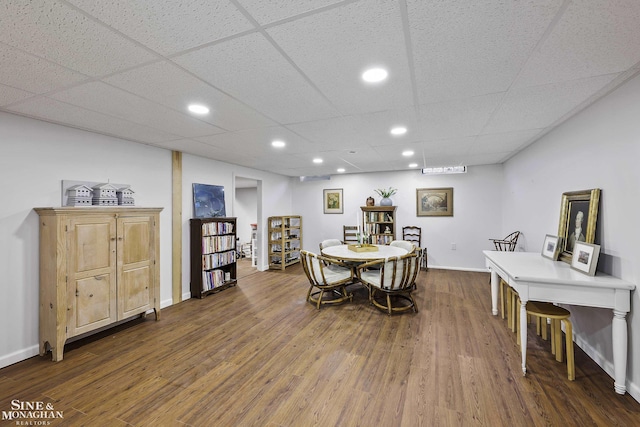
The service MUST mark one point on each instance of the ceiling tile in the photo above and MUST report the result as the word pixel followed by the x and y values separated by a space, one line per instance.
pixel 24 71
pixel 169 26
pixel 269 11
pixel 503 142
pixel 169 85
pixel 335 47
pixel 593 37
pixel 9 95
pixel 55 31
pixel 59 112
pixel 105 99
pixel 494 37
pixel 540 106
pixel 456 118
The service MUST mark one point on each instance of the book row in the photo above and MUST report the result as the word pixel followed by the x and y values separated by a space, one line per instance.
pixel 378 217
pixel 216 228
pixel 218 243
pixel 213 279
pixel 216 260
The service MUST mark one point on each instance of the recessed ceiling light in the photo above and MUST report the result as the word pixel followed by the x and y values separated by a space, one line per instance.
pixel 374 75
pixel 317 160
pixel 198 109
pixel 407 153
pixel 413 165
pixel 398 130
pixel 278 143
pixel 340 170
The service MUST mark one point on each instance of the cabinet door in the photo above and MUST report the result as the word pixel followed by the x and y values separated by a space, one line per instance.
pixel 136 260
pixel 91 283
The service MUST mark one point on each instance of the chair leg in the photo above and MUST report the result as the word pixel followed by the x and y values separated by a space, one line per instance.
pixel 502 298
pixel 389 304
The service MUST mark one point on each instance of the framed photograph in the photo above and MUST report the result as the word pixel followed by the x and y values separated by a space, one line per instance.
pixel 332 201
pixel 585 257
pixel 578 217
pixel 434 201
pixel 551 248
pixel 208 201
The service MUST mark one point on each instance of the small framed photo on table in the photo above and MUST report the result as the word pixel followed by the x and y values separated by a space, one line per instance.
pixel 551 247
pixel 585 258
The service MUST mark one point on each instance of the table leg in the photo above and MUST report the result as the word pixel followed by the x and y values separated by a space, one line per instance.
pixel 523 335
pixel 619 340
pixel 495 282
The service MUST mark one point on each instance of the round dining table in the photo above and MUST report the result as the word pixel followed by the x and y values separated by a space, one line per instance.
pixel 342 252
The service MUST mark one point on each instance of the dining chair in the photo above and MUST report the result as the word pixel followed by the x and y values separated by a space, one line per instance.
pixel 413 233
pixel 329 242
pixel 329 276
pixel 508 244
pixel 350 234
pixel 394 280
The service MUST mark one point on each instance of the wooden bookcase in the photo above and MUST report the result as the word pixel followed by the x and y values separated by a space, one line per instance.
pixel 379 223
pixel 98 266
pixel 213 255
pixel 285 241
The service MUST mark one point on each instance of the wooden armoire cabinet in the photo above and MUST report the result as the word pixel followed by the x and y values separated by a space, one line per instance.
pixel 98 265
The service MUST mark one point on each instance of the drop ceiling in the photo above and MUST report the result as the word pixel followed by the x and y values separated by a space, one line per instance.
pixel 474 82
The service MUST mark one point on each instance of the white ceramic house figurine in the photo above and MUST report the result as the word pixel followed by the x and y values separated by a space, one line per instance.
pixel 125 196
pixel 104 195
pixel 79 195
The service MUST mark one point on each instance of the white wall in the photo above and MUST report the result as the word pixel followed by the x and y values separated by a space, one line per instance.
pixel 36 157
pixel 599 148
pixel 476 217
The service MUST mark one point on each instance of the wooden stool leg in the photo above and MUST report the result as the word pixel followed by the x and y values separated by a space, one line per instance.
pixel 509 309
pixel 502 284
pixel 559 354
pixel 571 367
pixel 543 328
pixel 553 336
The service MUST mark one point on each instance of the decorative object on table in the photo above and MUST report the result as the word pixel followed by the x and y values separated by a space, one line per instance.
pixel 551 247
pixel 385 194
pixel 578 216
pixel 371 201
pixel 363 247
pixel 332 201
pixel 208 201
pixel 434 201
pixel 585 257
pixel 104 195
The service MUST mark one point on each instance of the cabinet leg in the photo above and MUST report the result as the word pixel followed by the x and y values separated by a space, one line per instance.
pixel 157 313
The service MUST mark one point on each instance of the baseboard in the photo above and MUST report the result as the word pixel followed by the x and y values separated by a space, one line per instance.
pixel 19 356
pixel 444 267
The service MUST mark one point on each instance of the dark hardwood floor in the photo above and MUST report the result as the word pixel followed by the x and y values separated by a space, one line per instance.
pixel 258 354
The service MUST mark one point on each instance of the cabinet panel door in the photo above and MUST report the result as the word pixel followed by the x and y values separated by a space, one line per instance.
pixel 136 259
pixel 91 285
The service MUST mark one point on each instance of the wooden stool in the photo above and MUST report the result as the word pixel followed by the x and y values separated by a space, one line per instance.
pixel 544 311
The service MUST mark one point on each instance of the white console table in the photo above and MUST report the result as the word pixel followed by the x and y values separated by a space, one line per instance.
pixel 537 278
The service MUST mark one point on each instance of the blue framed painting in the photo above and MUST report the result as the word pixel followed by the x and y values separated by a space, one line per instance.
pixel 208 201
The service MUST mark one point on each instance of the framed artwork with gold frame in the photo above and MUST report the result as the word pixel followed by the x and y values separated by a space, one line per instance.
pixel 434 201
pixel 578 217
pixel 332 201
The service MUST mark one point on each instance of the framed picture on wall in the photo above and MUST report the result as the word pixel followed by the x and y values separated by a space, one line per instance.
pixel 578 217
pixel 434 201
pixel 332 201
pixel 208 201
pixel 550 247
pixel 585 257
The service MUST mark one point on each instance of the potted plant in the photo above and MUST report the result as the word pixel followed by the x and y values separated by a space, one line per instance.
pixel 385 194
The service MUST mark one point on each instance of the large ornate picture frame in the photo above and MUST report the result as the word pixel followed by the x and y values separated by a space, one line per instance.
pixel 332 201
pixel 578 217
pixel 434 201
